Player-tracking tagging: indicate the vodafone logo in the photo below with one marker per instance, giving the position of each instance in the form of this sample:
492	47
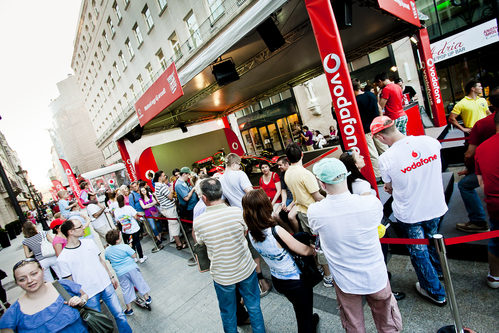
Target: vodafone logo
68	172
235	146
419	163
415	154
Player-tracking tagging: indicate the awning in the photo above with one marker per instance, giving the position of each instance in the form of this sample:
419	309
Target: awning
103	171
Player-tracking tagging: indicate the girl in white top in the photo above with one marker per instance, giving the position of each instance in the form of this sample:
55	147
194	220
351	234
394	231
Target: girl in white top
357	183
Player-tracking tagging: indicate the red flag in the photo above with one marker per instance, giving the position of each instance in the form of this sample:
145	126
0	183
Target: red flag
58	185
72	181
132	174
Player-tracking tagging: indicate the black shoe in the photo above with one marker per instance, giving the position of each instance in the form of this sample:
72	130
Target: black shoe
243	322
315	320
429	297
398	295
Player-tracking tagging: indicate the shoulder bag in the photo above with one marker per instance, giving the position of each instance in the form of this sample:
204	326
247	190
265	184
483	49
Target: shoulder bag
201	255
96	321
309	272
46	247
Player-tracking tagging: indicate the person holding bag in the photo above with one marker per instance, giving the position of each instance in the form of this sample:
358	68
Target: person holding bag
286	276
37	244
41	309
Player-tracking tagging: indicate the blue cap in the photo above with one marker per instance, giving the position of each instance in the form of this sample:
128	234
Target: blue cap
330	171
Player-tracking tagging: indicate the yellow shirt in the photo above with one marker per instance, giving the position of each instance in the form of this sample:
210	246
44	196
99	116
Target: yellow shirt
471	110
302	183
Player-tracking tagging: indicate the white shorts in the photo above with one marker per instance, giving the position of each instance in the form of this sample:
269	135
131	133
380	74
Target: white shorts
173	225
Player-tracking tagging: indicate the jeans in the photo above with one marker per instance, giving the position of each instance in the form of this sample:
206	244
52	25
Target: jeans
250	292
471	200
301	296
109	297
425	258
154	226
494	242
136	243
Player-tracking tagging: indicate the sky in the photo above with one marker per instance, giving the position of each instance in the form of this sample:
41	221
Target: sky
37	46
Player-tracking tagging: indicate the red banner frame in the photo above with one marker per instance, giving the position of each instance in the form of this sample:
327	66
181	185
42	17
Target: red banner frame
403	9
73	183
130	169
335	66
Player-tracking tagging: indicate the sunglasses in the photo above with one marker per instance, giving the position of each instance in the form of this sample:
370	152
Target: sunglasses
23	262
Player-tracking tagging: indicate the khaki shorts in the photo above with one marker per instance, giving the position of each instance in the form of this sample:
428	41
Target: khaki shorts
173	225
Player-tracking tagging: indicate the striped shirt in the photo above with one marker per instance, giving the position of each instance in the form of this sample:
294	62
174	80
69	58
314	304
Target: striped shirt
34	243
222	229
162	191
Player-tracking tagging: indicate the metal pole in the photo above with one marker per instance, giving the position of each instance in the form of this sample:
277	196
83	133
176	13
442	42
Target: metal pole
442	253
151	234
191	261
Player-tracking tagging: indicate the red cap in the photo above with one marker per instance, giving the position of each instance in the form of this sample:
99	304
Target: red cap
380	123
56	222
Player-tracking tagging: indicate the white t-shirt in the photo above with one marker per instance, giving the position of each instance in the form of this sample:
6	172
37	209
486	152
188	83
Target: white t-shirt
361	186
126	216
99	222
414	168
83	265
233	185
347	225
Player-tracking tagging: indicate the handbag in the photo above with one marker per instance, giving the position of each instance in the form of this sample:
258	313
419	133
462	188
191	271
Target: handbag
201	256
96	321
309	272
46	247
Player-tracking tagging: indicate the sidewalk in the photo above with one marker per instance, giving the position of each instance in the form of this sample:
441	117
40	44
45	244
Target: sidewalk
184	300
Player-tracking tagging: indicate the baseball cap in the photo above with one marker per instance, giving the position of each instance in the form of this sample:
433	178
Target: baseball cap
380	123
56	222
330	171
185	170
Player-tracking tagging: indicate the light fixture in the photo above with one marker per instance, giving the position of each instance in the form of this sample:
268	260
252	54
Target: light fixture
393	68
414	40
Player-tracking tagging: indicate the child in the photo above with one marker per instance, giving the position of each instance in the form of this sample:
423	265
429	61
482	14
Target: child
122	257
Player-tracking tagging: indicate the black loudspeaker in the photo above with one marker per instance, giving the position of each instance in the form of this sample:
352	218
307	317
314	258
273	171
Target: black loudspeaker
135	134
343	13
225	72
270	34
183	128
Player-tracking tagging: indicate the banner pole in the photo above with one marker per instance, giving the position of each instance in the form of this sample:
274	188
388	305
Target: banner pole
442	253
191	261
150	233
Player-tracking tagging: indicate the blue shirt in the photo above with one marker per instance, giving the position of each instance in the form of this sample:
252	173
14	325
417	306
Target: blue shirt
134	201
120	256
64	208
183	189
57	317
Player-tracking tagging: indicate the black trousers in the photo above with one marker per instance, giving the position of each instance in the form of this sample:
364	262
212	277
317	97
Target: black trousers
136	243
301	296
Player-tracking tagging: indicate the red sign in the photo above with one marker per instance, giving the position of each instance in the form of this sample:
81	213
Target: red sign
144	164
72	181
163	92
340	85
431	78
130	169
58	185
403	9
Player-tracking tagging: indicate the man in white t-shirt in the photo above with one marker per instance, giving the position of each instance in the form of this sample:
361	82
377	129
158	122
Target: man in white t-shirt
97	213
412	171
347	225
80	261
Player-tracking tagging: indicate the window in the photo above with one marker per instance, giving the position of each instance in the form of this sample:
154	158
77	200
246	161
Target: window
96	10
126	3
116	69
101	50
161	59
149	71
162	4
123	60
116	10
137	33
140	81
216	9
129	47
125	97
175	46
104	35
147	17
193	29
111	26
132	91
120	106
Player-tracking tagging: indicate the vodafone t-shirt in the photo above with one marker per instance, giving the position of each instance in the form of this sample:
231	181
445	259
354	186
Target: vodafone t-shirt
413	166
393	95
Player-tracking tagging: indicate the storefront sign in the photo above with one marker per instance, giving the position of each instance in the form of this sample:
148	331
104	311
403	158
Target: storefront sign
130	169
338	76
162	93
431	78
403	9
468	40
72	181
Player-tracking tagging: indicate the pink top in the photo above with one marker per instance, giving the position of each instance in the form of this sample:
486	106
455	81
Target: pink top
59	240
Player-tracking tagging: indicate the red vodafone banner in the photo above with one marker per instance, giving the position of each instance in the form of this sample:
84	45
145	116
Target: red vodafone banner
403	9
163	92
72	181
58	185
334	62
431	78
130	169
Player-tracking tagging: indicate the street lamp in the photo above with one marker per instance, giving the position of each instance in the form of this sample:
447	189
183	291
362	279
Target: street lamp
41	217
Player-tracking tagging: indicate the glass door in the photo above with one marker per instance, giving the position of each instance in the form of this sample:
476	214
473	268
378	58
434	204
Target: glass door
275	137
249	142
267	142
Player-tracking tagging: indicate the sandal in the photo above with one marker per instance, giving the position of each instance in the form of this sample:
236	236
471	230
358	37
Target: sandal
181	247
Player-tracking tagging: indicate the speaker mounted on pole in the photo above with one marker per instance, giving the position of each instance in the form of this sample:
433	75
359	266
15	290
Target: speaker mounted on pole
270	34
225	72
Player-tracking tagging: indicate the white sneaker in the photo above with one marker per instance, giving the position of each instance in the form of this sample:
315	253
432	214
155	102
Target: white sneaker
327	281
493	281
136	259
144	258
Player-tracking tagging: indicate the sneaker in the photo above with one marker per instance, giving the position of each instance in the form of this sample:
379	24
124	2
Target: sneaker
429	297
328	281
144	258
129	312
149	300
136	259
192	262
398	295
263	292
493	281
472	227
315	320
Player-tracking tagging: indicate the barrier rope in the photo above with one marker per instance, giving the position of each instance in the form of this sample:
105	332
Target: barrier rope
168	219
453	139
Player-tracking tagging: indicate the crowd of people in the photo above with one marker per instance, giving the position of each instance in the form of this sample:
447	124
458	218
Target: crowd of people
330	213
